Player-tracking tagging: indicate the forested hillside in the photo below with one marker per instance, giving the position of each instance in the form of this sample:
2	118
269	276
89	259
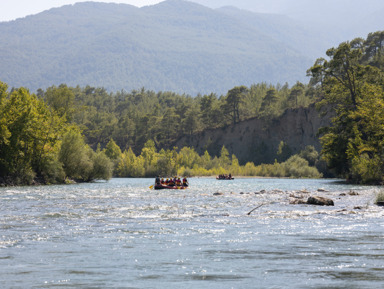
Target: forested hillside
133	118
133	133
174	46
47	138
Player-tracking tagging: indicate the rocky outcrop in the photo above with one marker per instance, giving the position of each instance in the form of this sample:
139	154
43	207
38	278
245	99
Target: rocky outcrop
257	140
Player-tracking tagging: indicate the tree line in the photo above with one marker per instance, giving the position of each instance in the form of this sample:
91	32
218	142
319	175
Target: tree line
64	133
133	118
82	134
187	162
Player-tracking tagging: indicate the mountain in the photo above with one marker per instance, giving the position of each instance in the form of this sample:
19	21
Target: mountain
339	20
175	45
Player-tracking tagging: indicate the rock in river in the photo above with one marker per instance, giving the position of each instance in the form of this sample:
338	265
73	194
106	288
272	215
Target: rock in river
320	201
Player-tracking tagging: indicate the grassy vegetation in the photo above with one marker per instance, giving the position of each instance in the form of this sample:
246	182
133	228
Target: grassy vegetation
187	162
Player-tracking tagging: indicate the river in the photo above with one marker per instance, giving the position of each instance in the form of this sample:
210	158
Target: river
121	234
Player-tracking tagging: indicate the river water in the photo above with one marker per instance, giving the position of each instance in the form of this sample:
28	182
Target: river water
121	234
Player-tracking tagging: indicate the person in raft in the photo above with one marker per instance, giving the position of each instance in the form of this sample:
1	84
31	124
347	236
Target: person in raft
185	182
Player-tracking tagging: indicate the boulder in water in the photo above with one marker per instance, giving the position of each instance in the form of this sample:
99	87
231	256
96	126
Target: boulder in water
320	201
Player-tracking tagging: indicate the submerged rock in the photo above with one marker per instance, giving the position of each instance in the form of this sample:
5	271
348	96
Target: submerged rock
353	193
320	201
297	202
218	194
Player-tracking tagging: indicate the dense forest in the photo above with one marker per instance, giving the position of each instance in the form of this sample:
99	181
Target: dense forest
133	118
83	134
73	133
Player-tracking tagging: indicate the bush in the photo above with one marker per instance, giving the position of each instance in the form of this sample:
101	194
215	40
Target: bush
185	172
75	156
297	167
102	167
366	170
52	171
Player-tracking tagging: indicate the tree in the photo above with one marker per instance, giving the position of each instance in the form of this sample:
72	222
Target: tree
170	125
374	49
166	164
130	165
269	103
188	157
207	108
224	159
233	100
29	133
150	156
61	99
283	152
354	93
75	156
310	154
296	91
112	150
102	168
191	123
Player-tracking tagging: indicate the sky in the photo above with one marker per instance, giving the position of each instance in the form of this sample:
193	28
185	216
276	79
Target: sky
13	9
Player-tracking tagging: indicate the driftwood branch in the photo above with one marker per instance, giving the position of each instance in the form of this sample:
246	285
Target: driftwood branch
255	209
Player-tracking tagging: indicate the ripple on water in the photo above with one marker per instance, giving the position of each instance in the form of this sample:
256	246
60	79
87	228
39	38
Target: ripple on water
118	233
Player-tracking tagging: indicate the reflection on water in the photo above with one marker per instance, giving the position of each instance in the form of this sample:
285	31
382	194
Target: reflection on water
217	234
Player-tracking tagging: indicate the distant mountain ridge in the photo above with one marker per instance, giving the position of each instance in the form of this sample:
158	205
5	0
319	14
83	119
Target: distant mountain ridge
175	45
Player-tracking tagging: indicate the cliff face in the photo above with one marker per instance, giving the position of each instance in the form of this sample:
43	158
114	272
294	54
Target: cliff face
257	140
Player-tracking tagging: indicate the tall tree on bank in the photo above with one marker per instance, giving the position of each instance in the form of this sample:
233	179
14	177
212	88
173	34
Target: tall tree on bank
353	91
234	98
29	136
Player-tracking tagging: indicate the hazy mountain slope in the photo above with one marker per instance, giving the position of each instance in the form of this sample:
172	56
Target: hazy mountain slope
339	20
309	42
175	45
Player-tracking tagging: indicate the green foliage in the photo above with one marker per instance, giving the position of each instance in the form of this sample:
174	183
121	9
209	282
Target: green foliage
186	162
75	156
283	152
133	118
310	154
29	132
233	102
112	150
52	171
130	165
80	162
37	144
297	167
224	159
353	87
61	99
102	166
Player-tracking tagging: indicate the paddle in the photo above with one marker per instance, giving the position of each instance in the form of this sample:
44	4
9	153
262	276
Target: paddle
151	187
